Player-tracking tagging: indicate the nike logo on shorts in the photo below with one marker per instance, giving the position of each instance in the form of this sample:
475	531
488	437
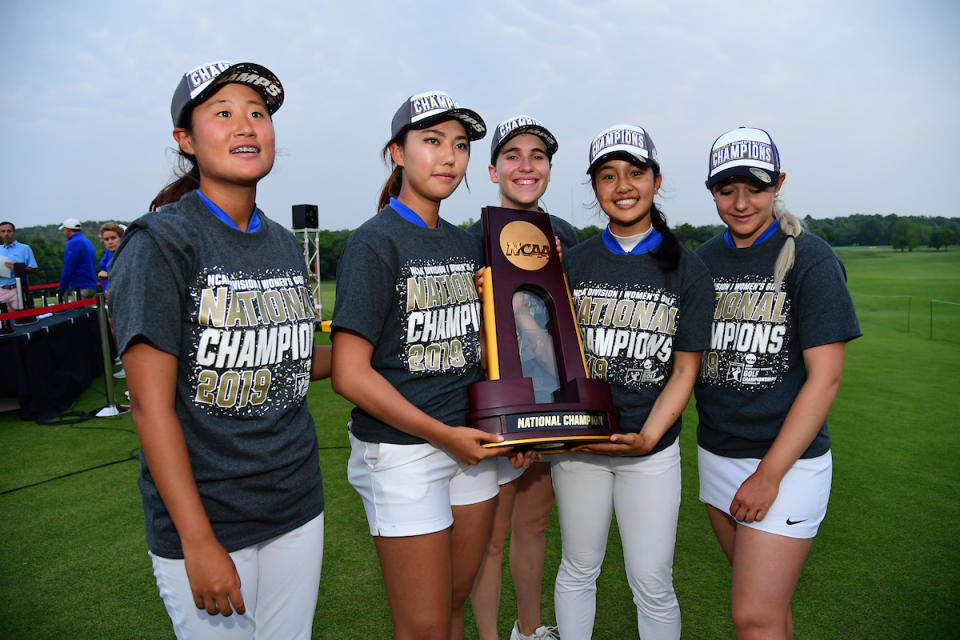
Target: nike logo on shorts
793	522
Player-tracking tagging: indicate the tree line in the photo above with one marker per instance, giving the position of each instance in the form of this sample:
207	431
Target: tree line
904	233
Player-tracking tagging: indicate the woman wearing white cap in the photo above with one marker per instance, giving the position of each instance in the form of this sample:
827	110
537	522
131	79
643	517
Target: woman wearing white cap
521	155
406	346
214	321
643	303
783	317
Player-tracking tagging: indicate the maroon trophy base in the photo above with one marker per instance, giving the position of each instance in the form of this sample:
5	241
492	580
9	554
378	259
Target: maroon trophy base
583	413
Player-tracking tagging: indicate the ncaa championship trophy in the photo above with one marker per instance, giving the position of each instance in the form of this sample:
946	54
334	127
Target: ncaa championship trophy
537	394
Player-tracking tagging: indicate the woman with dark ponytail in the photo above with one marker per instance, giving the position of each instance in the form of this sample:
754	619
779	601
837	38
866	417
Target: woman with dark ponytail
214	321
406	347
643	303
783	317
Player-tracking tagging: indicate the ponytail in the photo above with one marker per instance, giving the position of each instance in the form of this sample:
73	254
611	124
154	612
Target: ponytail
791	226
188	181
391	188
669	251
189	172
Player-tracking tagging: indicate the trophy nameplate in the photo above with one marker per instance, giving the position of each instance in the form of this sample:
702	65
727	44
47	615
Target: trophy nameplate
537	394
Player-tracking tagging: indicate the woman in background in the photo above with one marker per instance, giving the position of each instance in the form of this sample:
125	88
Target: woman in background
521	156
110	234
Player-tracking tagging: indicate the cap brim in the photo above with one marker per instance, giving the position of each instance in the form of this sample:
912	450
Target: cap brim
228	76
472	123
754	174
532	129
621	154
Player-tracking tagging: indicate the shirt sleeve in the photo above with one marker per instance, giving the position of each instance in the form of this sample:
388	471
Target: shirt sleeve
696	308
824	309
146	296
365	291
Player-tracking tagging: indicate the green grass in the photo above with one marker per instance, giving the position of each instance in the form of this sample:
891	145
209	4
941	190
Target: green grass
886	564
894	288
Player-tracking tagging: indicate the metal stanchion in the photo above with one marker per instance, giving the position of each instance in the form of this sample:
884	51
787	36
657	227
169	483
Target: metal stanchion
112	409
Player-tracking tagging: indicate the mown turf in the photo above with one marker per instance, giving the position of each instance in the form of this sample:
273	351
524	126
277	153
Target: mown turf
73	561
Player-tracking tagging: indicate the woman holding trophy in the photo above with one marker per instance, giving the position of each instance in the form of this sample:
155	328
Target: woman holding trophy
644	304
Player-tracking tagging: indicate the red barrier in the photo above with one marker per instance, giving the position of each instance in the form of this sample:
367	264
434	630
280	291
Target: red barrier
26	313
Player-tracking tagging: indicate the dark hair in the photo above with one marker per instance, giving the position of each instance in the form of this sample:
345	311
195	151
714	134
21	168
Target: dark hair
189	173
668	253
9	223
391	188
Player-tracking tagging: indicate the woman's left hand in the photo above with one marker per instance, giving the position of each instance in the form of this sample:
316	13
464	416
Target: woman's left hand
621	444
523	459
754	497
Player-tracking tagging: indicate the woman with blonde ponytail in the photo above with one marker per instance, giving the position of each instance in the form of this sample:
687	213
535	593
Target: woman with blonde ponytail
783	316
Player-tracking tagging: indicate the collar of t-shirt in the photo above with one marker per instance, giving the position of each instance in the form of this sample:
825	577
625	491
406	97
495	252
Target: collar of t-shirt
252	226
407	213
772	229
641	243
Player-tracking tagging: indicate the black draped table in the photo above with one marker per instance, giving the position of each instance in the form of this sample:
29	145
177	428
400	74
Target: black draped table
47	364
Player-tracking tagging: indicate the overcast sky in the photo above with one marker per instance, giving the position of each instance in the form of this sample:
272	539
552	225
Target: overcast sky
862	98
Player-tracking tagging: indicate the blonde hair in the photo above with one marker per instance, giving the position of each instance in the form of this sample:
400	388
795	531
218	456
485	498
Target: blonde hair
791	226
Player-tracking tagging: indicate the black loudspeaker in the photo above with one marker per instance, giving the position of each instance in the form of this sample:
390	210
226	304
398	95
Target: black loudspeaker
306	216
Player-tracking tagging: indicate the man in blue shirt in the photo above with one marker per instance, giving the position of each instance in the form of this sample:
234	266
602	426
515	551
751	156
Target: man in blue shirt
79	261
11	253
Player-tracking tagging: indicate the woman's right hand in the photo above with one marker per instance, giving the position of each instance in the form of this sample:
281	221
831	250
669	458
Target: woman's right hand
214	580
102	275
466	444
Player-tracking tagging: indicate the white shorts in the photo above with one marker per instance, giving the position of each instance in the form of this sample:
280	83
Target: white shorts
408	489
800	505
506	472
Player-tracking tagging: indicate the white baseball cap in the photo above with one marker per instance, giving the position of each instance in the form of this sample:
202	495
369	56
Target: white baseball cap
744	152
623	139
70	223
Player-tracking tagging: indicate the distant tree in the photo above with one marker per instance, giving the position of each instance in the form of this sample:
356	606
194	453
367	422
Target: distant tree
584	233
942	238
692	237
919	234
902	232
49	258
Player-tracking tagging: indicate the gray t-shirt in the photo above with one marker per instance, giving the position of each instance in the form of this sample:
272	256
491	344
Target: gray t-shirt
236	310
409	291
754	367
632	317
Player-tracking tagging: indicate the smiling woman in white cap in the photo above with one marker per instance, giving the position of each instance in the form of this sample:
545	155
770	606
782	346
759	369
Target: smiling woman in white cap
783	317
643	304
214	321
406	346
